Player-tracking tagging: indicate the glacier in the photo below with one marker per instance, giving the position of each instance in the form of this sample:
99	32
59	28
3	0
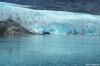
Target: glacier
53	22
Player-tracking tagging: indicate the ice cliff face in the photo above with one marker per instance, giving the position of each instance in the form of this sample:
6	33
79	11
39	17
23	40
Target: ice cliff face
52	22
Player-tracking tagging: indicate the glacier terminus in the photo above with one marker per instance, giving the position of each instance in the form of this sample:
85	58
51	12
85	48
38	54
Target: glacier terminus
51	22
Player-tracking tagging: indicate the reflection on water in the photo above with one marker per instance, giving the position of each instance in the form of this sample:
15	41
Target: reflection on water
49	50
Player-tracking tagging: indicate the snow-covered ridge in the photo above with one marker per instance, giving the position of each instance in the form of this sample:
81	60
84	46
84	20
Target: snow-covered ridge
54	22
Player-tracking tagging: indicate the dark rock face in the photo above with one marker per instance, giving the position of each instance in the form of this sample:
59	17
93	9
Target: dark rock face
10	27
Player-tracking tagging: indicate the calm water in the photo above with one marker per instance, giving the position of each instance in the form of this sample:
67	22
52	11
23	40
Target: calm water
50	50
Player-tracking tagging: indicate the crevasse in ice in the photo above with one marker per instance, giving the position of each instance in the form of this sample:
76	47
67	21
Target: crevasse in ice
53	22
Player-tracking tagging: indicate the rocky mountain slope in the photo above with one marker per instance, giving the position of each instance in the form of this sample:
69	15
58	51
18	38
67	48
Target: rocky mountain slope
83	6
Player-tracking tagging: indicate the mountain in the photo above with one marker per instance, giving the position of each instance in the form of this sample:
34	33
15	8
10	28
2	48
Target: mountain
83	6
